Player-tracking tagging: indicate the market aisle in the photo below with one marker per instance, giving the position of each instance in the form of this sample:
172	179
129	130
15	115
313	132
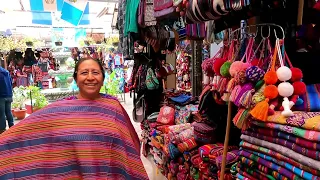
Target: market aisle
147	162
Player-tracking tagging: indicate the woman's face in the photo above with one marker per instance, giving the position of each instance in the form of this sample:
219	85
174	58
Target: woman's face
89	79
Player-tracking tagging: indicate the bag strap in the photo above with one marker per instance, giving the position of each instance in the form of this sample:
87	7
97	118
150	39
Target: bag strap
249	46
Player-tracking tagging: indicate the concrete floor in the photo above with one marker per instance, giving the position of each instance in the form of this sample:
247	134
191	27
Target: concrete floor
147	162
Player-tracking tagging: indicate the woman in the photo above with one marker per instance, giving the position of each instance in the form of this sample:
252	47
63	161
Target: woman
87	136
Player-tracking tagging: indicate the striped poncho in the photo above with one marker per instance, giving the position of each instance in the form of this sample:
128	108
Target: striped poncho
73	139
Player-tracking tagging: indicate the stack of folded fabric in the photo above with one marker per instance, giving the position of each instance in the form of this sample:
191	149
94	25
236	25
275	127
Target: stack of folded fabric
183	144
281	148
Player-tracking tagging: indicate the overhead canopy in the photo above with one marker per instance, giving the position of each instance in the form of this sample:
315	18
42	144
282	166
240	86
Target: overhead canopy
17	19
18	13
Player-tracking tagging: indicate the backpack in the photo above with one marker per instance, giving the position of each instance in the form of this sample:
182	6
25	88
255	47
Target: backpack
140	79
152	82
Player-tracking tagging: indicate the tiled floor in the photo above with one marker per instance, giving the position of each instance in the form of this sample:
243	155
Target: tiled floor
147	162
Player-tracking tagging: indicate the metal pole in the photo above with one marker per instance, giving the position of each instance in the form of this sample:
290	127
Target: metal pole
31	101
196	76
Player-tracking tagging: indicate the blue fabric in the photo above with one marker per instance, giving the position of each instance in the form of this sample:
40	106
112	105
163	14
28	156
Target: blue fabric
181	99
85	20
75	16
5	113
43	18
5	84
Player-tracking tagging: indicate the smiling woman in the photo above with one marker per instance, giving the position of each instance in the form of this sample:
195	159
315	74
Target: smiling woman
89	76
88	136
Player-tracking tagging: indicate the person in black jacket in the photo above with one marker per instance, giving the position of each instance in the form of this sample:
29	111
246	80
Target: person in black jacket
5	99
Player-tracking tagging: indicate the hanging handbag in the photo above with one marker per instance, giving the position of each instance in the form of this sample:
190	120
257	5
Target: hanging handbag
204	10
141	12
196	31
163	8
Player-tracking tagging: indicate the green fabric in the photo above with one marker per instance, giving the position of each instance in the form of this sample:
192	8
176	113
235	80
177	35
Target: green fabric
131	21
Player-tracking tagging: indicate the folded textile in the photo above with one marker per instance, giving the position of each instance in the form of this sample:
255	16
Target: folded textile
275	133
311	99
242	177
231	158
182	136
252	175
297	171
301	150
181	98
305	120
183	113
179	128
255	165
279	156
255	173
270	165
283	150
187	145
303	133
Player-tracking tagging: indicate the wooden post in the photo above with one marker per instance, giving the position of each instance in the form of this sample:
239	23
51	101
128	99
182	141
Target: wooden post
300	12
226	142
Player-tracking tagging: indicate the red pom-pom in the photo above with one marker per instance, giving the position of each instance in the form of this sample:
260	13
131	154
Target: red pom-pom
296	74
217	65
299	88
270	77
255	62
271	91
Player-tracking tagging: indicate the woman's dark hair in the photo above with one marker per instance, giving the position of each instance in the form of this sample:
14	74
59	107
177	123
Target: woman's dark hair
84	59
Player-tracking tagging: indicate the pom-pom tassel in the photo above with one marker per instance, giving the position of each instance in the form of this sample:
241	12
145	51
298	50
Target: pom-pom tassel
231	85
235	93
222	85
260	111
246	98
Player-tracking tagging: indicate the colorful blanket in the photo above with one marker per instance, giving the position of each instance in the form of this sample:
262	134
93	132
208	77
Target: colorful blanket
255	173
301	150
275	133
283	171
278	156
255	165
283	150
305	120
303	133
73	139
297	171
311	99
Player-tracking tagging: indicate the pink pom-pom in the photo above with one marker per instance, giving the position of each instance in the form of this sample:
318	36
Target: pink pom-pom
245	66
235	68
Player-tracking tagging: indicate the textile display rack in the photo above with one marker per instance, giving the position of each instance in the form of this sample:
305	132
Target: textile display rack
235	34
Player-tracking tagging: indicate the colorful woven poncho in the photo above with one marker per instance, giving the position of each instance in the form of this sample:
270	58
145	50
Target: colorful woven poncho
73	139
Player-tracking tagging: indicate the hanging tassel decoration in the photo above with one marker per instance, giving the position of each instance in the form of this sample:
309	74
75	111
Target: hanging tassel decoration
235	93
260	111
246	98
243	121
231	84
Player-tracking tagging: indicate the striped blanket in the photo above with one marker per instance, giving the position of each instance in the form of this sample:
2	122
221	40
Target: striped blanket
73	139
311	99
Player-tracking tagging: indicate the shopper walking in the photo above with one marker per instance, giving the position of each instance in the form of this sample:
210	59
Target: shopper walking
5	99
